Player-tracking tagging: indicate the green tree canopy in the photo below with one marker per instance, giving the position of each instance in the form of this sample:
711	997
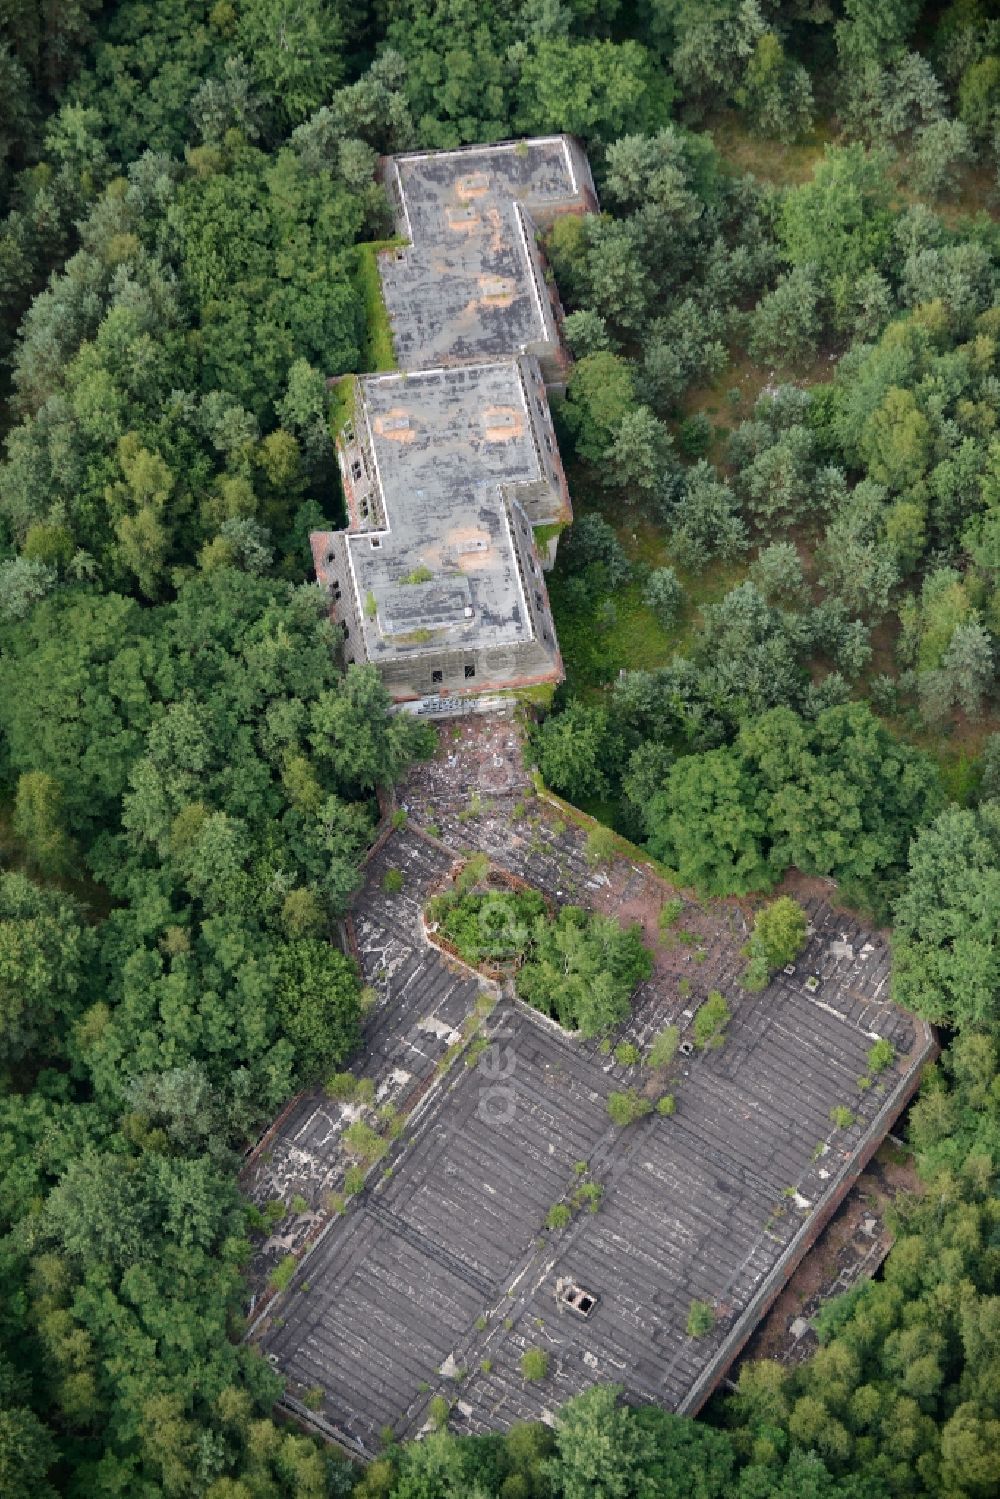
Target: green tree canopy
946	943
839	222
46	953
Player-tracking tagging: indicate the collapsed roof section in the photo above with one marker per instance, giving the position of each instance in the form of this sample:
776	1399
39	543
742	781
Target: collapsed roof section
471	283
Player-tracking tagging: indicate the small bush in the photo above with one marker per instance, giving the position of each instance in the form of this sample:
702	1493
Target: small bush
667	1105
354	1180
282	1273
558	1215
625	1108
439	1411
341	1087
400	817
670	914
664	595
881	1056
694	435
701	1319
274	1211
779	935
664	1047
362	1141
313	1398
392	881
299	1204
486	1365
588	1196
627	1054
708	1028
534	1363
364	1091
842	1118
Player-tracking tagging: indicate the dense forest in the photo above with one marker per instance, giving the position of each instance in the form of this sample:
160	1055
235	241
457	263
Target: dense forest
779	607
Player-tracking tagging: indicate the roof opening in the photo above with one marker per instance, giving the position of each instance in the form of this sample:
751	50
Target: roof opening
577	1299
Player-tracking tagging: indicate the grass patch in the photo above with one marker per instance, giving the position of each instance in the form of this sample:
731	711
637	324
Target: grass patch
282	1273
538	696
772	160
959	774
663	1047
341	405
600	808
630	637
544	534
594	653
377	351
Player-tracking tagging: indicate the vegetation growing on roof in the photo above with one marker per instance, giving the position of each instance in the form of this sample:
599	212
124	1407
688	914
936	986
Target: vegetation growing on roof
577	966
377	348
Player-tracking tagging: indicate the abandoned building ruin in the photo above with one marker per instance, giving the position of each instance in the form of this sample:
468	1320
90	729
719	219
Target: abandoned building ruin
471	284
449	465
434	1275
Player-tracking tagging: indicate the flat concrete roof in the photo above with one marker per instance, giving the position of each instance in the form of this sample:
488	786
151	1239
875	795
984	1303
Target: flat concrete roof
467	285
444	1263
444	441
